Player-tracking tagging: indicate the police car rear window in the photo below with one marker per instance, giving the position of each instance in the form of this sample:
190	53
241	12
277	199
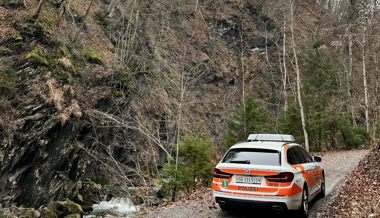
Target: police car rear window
253	156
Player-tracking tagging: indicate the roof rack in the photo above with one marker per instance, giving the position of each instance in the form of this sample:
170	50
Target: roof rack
270	137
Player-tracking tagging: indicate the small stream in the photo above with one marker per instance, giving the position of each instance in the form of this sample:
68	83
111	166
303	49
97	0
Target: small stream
116	207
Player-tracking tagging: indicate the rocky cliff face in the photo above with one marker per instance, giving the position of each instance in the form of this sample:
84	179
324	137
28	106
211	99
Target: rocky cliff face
42	159
83	113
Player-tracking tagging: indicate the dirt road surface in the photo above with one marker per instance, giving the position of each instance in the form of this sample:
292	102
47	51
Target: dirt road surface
337	165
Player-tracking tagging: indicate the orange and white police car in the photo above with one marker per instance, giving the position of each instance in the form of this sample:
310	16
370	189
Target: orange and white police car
269	171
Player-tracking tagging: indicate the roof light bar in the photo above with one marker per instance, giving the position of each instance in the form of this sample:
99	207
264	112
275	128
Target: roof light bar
271	137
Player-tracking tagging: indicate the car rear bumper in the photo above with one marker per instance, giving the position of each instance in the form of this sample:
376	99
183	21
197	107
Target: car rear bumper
250	203
270	202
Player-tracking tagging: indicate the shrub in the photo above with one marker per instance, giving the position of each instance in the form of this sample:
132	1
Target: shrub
92	57
194	166
8	79
353	136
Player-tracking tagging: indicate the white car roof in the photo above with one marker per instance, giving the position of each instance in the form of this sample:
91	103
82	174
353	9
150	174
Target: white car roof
271	137
260	145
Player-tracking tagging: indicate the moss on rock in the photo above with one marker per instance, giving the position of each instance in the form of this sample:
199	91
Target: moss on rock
46	213
76	215
73	207
64	208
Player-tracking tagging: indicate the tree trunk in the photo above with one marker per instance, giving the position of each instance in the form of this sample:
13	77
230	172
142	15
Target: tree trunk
266	44
375	108
179	121
298	78
76	35
111	8
39	9
242	73
366	108
349	76
284	65
196	5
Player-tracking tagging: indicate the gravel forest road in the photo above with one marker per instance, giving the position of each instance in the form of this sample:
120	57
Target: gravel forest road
200	204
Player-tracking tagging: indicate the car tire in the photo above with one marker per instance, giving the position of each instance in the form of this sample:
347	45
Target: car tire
224	207
322	193
303	212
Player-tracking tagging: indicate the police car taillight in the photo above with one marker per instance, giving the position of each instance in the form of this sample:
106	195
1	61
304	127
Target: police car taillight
219	174
282	177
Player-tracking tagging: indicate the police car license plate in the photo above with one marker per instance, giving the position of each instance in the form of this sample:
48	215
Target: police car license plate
248	179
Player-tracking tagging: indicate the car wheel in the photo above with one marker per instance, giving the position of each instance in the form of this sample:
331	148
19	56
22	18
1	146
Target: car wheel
224	207
322	193
304	210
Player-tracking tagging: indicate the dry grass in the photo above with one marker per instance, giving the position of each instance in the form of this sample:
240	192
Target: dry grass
5	29
57	97
55	94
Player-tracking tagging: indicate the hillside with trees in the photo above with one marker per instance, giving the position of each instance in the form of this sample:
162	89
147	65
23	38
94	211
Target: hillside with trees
141	98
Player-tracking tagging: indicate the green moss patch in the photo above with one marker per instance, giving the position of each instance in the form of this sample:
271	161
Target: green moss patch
5	51
73	216
65	208
64	51
17	37
36	56
8	78
93	57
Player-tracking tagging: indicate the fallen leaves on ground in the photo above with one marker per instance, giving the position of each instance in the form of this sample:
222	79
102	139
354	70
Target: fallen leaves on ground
359	196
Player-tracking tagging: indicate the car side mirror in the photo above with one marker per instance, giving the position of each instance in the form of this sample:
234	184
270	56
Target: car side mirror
317	159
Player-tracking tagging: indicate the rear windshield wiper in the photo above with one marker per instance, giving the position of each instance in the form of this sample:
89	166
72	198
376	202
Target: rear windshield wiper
240	161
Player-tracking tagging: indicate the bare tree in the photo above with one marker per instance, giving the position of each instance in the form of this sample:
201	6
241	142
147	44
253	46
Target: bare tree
364	69
126	35
39	9
285	73
298	76
80	27
242	72
129	125
112	6
349	74
182	90
375	106
196	5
